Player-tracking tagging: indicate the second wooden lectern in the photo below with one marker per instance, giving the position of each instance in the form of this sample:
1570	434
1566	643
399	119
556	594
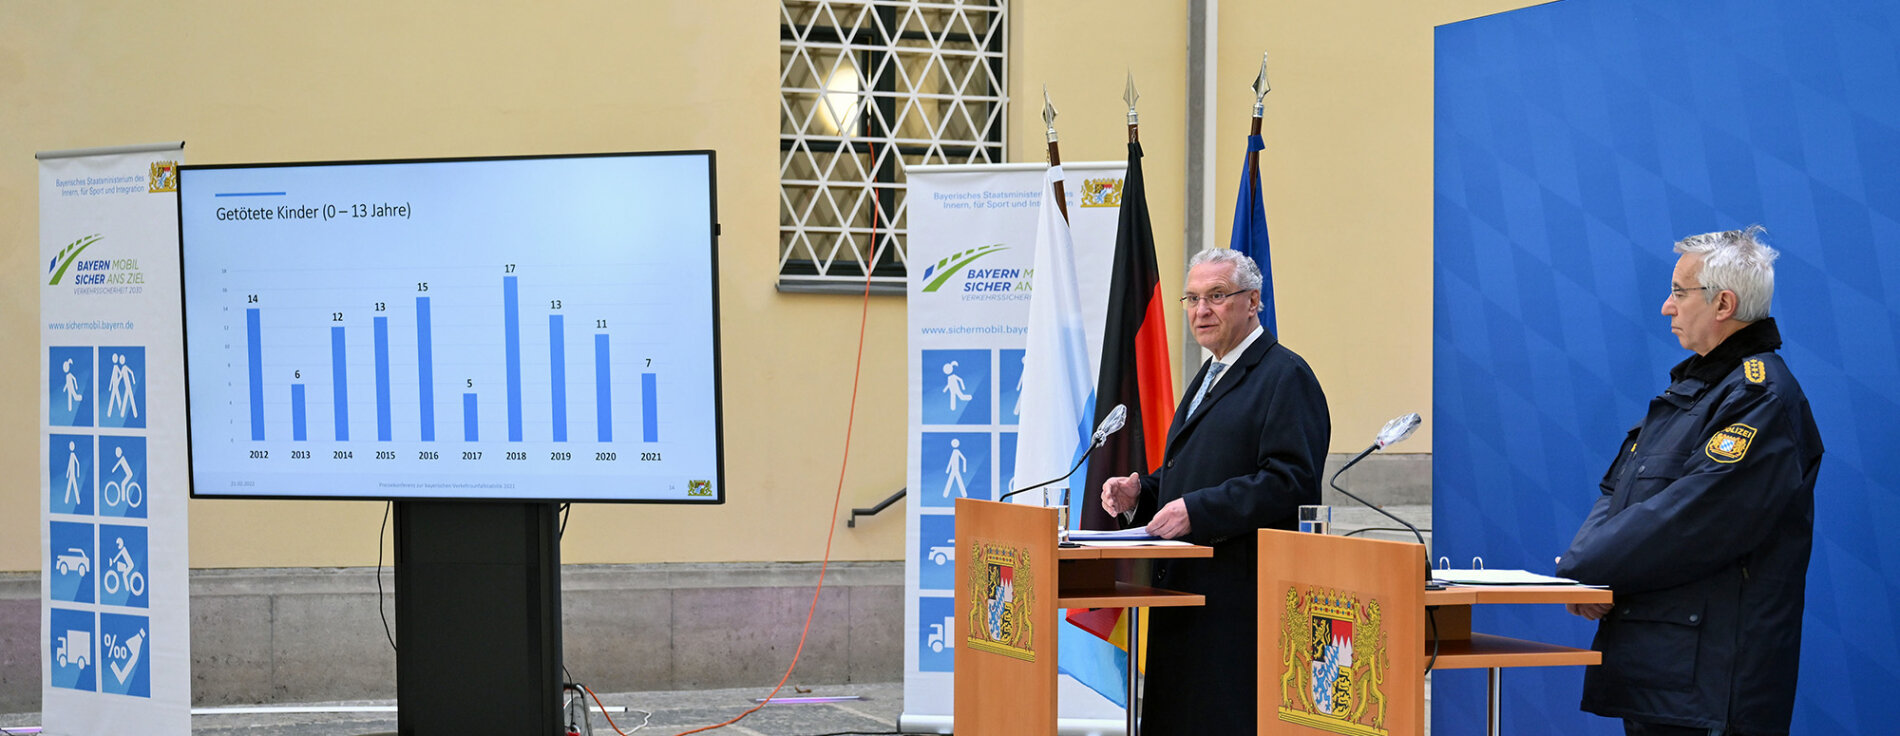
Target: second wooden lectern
1347	630
1011	580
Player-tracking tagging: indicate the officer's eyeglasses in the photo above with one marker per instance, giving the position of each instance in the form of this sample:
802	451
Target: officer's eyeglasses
1213	300
1678	292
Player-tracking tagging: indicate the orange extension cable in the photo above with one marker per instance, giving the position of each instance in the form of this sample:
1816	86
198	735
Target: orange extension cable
850	418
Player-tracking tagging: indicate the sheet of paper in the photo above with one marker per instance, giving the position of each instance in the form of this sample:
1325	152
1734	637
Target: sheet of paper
1498	577
1087	535
1131	542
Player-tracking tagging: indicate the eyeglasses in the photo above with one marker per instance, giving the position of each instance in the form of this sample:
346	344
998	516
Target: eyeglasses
1678	292
1213	300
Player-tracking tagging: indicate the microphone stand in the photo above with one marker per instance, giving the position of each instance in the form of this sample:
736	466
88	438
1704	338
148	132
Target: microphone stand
1065	476
1429	583
1109	426
1064	532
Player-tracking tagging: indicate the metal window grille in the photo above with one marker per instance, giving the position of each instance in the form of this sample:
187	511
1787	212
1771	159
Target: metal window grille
868	87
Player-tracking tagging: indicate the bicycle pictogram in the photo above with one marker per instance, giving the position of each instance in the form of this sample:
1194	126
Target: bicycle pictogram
119	572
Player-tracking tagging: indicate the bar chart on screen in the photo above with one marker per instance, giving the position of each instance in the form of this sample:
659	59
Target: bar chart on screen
400	330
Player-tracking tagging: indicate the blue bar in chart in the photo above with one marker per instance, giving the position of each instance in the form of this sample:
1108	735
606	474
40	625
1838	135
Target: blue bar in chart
557	376
425	370
468	418
382	378
340	375
649	408
603	388
296	413
511	315
254	338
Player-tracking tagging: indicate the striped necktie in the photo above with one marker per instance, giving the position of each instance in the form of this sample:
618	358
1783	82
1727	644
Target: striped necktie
1213	374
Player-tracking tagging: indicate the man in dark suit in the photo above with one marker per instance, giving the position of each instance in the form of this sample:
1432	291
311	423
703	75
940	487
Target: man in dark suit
1243	454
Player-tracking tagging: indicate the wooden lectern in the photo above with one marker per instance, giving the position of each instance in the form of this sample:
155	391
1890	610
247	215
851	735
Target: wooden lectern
1011	579
1347	629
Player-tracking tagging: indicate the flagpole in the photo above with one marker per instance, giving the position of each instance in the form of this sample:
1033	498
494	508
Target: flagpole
1055	153
1133	615
1260	90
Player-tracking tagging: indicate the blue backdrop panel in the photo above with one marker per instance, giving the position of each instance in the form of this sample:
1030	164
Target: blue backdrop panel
1574	143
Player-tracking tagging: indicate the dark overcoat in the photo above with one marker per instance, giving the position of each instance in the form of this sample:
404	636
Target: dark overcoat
1703	529
1246	460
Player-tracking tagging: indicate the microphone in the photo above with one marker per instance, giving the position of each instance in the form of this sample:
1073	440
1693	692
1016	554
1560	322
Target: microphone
1393	432
1116	419
1398	430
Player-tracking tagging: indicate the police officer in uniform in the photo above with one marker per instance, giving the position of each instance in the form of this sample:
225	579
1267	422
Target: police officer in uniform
1706	518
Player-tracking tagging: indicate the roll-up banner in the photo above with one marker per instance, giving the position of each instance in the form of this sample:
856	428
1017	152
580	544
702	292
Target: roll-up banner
972	241
114	595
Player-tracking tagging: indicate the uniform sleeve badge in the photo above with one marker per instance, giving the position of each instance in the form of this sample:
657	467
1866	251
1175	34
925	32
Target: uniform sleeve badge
1755	370
1730	444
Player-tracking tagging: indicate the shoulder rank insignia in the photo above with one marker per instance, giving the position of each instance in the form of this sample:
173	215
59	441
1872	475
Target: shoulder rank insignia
1755	370
1730	444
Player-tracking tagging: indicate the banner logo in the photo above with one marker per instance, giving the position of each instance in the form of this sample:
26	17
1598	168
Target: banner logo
110	276
699	488
1102	192
1002	595
64	259
164	177
1333	648
937	273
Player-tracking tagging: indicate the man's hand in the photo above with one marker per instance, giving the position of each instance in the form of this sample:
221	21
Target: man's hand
1592	611
1171	522
1120	495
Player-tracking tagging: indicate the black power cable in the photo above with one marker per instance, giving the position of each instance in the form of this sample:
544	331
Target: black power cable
387	505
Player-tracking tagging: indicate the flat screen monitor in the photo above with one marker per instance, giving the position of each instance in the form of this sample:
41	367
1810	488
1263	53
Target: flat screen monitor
538	328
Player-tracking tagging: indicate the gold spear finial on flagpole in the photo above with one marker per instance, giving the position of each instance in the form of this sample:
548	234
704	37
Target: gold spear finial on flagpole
1055	153
1261	88
1134	119
1048	114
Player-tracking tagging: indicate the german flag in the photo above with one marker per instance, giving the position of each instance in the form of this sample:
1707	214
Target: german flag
1135	370
1135	373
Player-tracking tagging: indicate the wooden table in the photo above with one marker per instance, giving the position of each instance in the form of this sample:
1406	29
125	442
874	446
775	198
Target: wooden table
1458	647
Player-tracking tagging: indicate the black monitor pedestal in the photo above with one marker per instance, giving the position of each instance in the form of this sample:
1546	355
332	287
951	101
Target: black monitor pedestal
478	618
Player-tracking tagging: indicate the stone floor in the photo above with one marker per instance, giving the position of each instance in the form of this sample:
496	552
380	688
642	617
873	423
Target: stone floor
673	712
646	712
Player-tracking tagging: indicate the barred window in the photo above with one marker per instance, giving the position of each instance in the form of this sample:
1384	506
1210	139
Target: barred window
865	84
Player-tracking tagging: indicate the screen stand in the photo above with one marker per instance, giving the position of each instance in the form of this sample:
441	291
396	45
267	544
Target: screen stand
478	618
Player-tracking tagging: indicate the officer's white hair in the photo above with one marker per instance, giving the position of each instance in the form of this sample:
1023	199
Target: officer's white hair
1737	261
1246	272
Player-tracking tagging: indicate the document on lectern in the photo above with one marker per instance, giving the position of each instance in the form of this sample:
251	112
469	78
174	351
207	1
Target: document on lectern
1498	577
1137	534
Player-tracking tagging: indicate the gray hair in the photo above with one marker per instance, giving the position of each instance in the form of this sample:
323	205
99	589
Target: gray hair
1737	261
1246	272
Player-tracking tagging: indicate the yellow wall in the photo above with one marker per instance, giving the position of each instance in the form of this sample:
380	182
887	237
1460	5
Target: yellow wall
1347	181
1348	191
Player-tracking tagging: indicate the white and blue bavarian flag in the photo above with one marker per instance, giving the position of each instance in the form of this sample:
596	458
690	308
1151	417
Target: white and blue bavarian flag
1058	392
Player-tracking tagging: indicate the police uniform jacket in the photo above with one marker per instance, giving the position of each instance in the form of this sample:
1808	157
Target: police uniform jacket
1703	530
1245	460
